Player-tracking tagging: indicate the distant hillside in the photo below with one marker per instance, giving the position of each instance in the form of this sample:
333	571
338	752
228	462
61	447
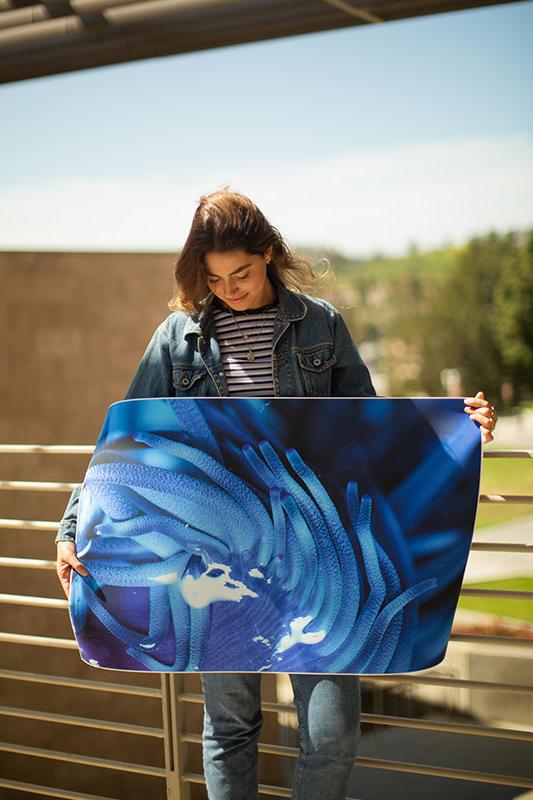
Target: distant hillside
373	293
430	264
460	314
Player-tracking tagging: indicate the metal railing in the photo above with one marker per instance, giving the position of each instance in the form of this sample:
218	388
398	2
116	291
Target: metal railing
173	698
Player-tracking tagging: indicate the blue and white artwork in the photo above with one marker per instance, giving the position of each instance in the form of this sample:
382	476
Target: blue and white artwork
317	535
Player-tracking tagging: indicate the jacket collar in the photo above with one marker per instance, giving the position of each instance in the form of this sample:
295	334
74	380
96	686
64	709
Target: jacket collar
291	308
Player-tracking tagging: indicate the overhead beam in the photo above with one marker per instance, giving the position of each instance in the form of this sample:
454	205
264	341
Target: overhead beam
58	36
359	13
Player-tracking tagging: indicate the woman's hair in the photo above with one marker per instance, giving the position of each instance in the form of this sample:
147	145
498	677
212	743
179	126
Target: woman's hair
226	220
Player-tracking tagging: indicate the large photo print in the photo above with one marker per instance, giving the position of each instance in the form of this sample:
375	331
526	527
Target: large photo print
316	535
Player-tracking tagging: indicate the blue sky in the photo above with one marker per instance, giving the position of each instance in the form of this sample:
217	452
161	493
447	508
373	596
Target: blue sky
363	139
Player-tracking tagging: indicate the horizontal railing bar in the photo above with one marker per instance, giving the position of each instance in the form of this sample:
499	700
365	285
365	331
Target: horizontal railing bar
400	722
27	563
483	638
36	486
515	594
452	683
401	766
525	499
38	641
508	454
48	449
85	722
50	791
448	727
82	683
445	772
81	449
502	547
88	761
29	524
29	600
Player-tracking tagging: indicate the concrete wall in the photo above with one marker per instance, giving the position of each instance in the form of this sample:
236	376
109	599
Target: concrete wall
73	328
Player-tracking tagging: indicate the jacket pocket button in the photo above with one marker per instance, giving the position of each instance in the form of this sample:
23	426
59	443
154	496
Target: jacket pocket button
185	381
316	362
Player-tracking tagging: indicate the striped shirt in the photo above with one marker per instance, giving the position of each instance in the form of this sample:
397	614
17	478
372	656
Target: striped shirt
246	378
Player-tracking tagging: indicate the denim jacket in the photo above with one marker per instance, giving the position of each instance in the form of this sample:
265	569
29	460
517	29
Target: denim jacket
313	355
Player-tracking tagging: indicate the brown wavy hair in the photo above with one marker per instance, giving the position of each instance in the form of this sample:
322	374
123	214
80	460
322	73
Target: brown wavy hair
226	220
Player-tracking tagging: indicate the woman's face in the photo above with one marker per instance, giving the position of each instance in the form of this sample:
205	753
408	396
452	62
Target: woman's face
239	279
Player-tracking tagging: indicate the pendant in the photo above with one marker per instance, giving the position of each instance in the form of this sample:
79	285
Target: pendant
250	355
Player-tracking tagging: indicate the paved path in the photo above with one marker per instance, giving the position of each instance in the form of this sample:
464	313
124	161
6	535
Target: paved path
486	566
514	431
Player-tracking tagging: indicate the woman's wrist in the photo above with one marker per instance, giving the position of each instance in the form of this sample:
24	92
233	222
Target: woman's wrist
65	537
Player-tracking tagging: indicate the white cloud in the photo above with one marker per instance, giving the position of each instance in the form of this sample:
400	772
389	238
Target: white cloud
359	202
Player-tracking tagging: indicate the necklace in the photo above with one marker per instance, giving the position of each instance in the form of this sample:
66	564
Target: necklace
250	354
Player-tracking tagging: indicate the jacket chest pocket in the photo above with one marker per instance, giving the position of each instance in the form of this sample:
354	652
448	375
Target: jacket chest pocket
315	367
189	380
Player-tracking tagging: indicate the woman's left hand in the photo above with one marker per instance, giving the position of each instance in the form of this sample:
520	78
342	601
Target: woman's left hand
483	412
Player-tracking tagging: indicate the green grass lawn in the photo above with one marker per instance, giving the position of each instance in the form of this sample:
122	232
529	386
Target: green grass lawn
504	476
519	609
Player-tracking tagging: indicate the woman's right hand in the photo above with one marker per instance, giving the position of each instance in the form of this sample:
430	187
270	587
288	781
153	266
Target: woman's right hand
65	562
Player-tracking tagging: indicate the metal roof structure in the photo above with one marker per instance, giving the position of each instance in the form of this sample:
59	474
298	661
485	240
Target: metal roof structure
47	37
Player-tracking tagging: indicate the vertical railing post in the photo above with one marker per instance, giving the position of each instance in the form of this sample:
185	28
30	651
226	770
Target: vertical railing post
173	723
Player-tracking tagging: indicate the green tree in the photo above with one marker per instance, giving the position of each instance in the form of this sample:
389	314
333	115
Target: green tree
462	332
513	299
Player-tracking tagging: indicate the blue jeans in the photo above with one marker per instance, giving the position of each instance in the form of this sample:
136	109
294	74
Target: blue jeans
328	708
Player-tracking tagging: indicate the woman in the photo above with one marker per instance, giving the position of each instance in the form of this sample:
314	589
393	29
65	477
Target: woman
242	326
